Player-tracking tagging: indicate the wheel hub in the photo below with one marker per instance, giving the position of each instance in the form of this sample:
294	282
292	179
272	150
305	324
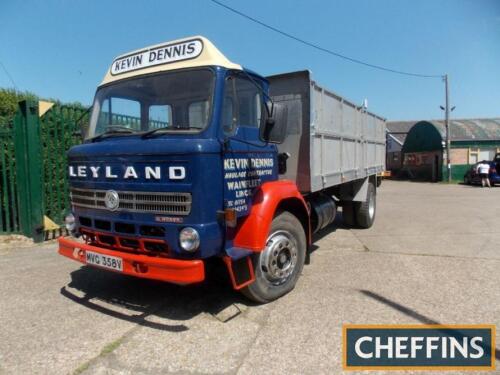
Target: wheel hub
279	258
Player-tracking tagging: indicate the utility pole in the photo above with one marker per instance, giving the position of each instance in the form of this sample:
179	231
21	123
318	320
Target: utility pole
447	126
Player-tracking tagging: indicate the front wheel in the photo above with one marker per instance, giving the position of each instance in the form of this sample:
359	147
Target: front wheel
278	267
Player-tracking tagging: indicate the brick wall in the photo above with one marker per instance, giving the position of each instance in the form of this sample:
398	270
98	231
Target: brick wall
459	156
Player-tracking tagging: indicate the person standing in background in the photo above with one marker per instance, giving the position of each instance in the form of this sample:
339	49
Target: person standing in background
483	168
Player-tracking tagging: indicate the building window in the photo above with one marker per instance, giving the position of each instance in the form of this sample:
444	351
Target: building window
473	155
477	154
486	154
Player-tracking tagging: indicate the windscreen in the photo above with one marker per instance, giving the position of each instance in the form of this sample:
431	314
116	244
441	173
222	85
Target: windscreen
178	102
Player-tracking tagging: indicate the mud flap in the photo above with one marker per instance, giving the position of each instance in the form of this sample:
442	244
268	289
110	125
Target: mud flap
240	271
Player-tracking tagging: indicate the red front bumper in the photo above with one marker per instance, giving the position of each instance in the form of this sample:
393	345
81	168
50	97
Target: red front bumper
164	269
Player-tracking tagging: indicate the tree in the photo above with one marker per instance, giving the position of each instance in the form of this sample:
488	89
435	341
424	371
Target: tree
8	102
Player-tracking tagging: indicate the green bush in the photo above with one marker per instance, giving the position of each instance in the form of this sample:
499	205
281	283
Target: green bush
8	103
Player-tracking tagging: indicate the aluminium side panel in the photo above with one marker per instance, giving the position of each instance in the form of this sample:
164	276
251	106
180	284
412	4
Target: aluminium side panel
347	142
331	140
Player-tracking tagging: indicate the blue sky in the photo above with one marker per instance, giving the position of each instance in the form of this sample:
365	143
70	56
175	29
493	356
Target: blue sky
62	48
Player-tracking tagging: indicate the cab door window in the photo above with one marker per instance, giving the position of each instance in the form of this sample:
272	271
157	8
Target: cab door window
242	105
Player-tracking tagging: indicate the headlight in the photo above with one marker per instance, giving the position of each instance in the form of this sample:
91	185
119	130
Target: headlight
189	239
70	223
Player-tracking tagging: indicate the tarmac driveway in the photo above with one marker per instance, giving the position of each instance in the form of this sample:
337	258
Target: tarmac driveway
433	256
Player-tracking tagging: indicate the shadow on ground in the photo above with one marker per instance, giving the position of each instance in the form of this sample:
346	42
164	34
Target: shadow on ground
412	313
135	300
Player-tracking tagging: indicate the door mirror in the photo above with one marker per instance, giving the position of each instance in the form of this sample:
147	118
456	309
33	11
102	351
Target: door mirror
274	128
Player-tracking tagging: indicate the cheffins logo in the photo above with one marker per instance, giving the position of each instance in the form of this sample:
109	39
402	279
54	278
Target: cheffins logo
418	347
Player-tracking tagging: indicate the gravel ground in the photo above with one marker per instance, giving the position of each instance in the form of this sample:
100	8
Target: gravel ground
431	257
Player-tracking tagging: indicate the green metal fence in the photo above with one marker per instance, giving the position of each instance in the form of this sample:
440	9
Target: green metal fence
34	192
129	121
60	129
8	194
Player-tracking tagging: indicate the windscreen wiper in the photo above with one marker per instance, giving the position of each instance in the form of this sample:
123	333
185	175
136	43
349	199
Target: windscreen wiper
152	131
111	132
171	127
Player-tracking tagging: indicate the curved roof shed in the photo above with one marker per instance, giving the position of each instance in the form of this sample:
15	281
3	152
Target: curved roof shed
423	136
429	135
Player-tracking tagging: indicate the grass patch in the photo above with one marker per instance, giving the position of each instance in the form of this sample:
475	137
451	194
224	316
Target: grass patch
108	348
81	368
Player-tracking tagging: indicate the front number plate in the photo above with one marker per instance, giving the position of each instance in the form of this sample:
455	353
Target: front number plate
106	261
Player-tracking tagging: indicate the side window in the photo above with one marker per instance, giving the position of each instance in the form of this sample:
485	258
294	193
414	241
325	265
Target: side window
249	103
242	104
160	116
198	114
229	118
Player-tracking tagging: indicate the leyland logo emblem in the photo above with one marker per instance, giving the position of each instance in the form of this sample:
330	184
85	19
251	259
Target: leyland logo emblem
112	200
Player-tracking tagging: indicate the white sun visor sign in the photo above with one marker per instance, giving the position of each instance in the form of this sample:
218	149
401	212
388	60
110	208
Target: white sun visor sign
165	54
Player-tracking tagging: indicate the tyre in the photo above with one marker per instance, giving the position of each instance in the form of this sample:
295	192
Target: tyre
365	211
466	180
278	267
348	214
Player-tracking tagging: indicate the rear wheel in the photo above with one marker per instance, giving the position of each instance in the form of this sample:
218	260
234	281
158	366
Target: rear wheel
466	180
365	211
348	214
278	267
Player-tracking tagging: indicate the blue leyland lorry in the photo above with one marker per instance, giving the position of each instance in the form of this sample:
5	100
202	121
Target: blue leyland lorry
189	157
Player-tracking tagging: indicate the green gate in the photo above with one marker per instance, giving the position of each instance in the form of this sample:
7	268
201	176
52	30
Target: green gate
60	129
34	194
8	200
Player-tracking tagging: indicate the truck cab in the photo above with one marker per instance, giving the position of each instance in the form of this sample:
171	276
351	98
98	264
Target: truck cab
169	162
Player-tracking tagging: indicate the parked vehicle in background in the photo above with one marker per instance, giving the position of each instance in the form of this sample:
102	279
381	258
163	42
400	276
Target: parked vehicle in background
189	156
472	176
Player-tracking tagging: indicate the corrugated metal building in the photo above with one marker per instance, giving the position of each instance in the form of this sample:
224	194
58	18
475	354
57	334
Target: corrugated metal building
424	152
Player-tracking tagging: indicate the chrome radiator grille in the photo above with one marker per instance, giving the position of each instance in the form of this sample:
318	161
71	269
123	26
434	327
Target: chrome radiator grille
135	201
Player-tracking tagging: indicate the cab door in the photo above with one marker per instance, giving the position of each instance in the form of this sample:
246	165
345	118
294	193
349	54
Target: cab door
247	161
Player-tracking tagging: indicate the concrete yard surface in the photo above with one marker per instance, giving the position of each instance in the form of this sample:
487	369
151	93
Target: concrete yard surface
433	256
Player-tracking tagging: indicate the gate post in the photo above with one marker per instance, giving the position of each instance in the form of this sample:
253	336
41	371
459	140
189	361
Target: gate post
27	144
